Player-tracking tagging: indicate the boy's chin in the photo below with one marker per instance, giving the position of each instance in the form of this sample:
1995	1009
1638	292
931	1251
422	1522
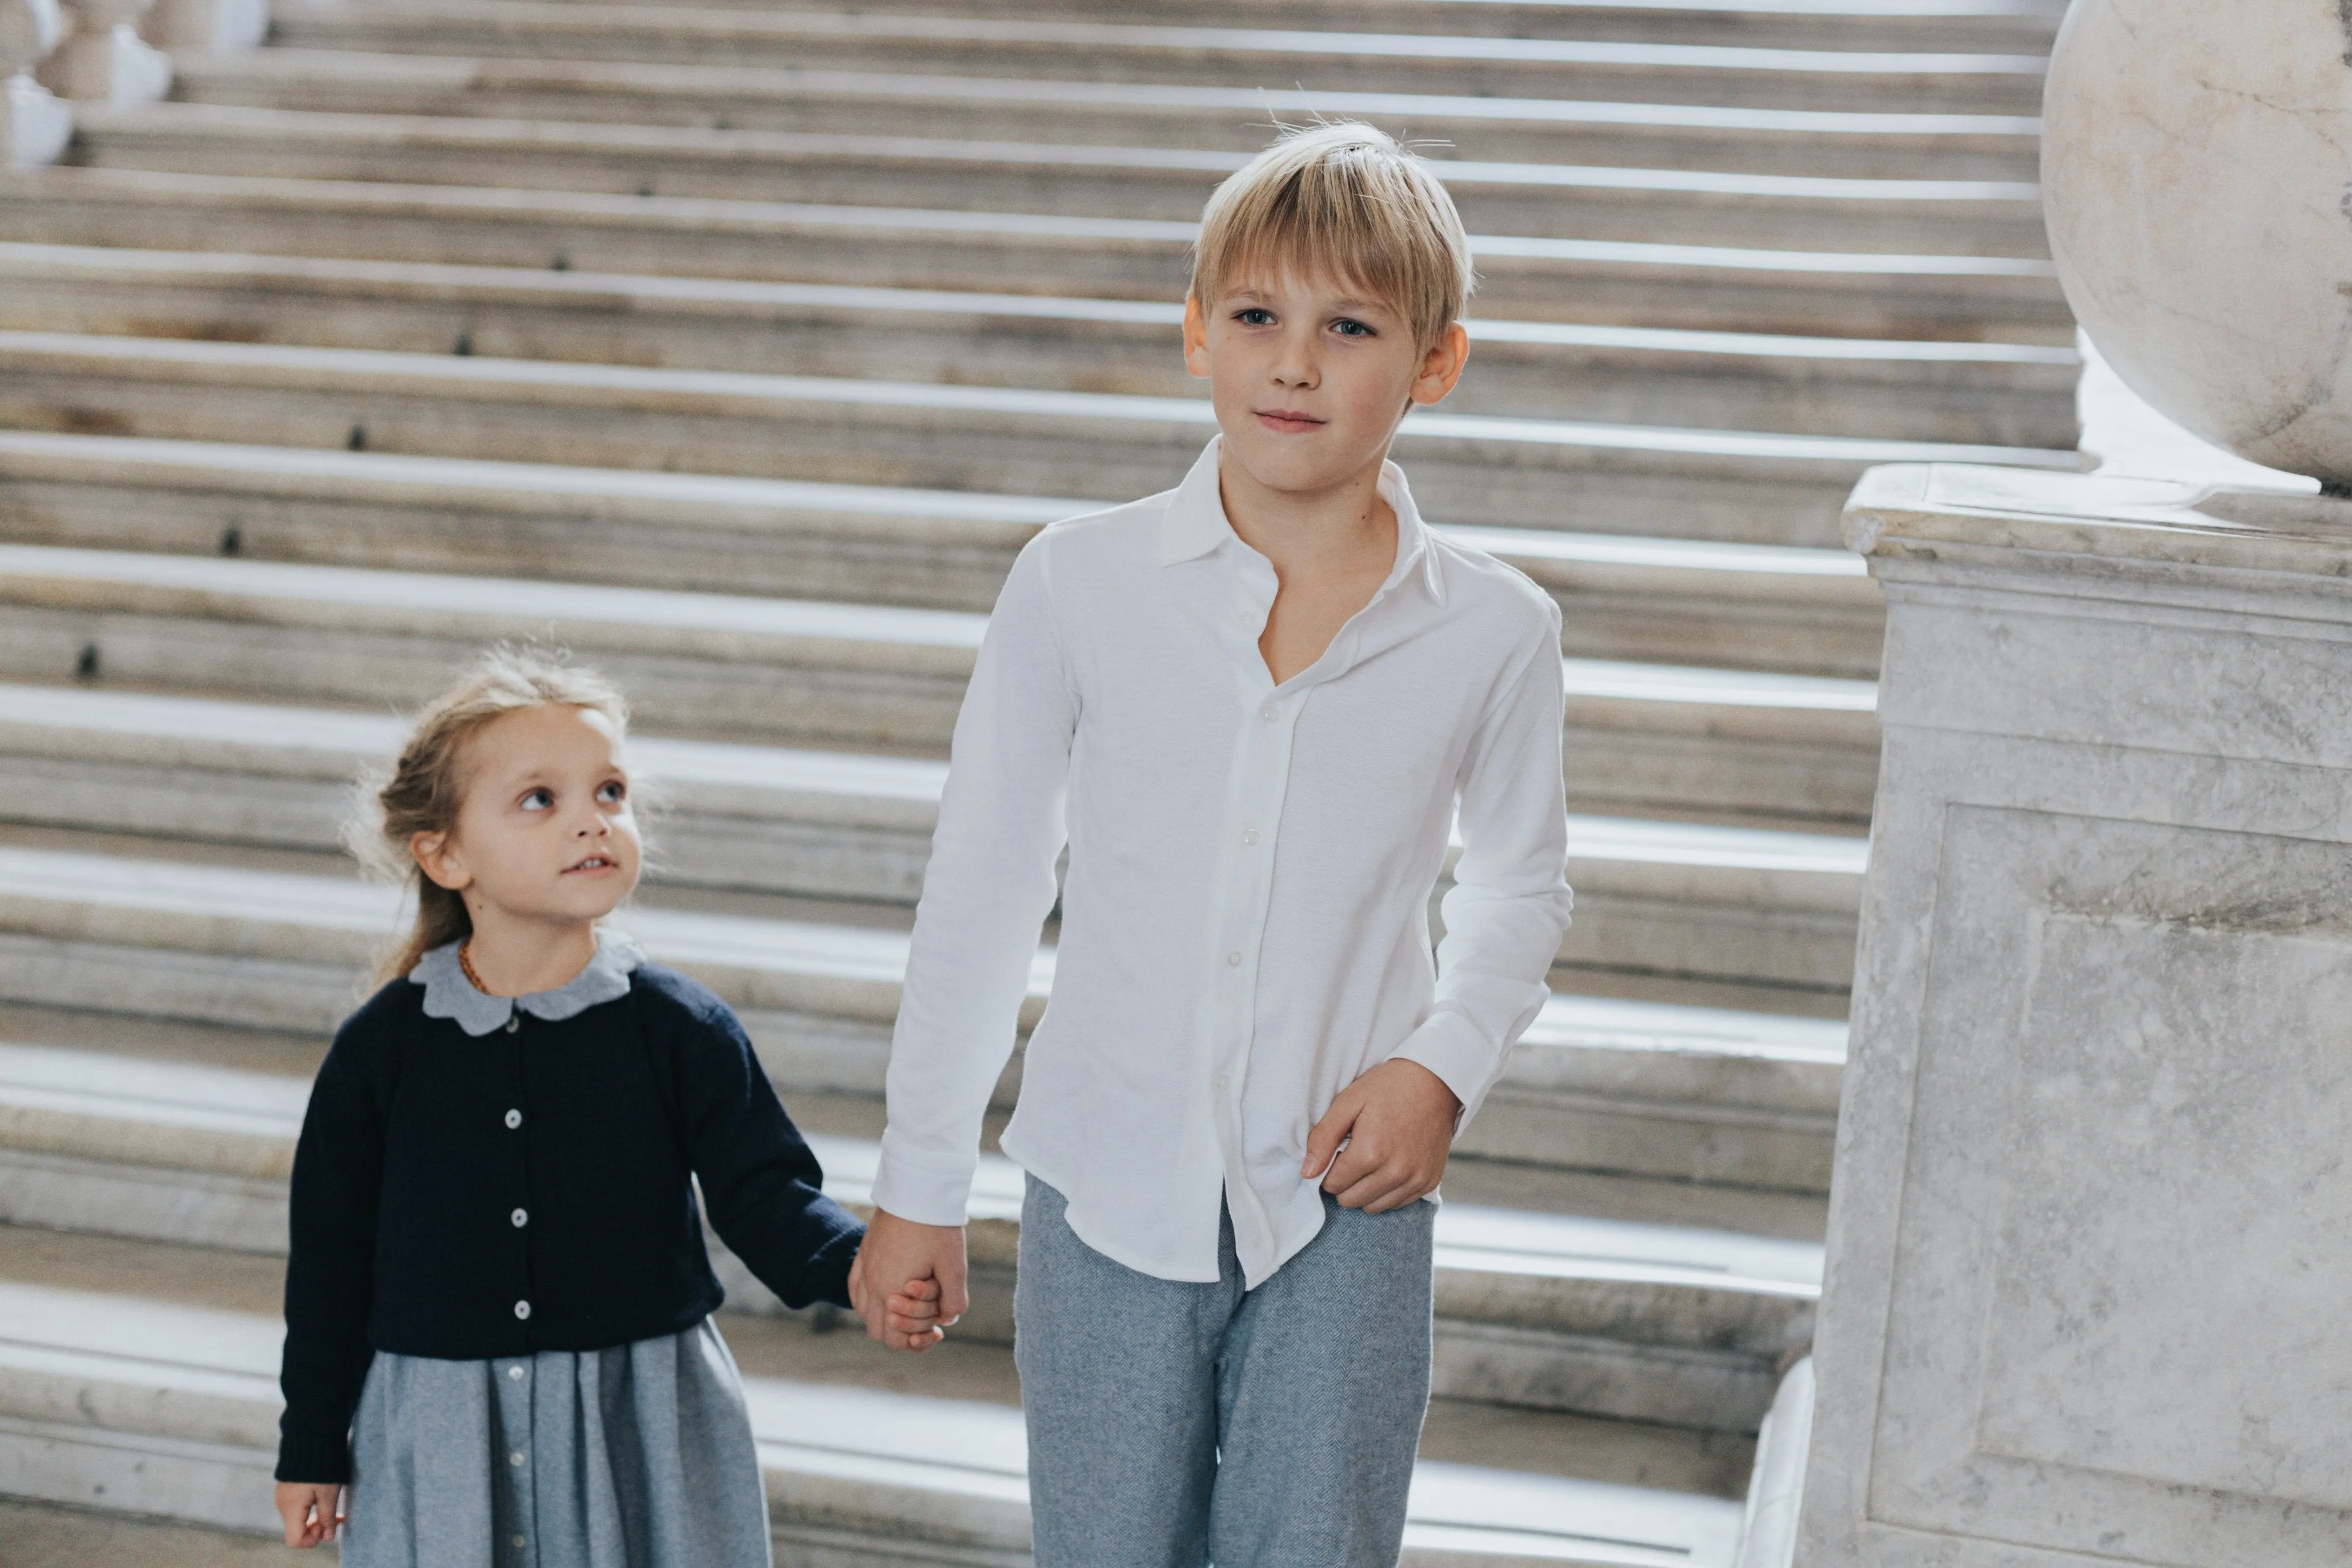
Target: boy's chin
1299	465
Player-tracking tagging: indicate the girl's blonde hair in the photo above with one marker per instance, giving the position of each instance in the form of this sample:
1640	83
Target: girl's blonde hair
428	784
1344	200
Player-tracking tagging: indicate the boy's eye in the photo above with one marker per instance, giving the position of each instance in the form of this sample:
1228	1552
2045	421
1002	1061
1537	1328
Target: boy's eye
1254	316
1349	327
539	801
613	794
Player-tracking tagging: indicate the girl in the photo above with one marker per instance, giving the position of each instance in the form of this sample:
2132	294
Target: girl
498	1302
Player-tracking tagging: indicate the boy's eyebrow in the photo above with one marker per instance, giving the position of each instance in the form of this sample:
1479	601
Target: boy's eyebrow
1346	302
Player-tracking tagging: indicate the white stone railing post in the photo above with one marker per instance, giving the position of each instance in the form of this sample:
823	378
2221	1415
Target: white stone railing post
34	126
208	26
104	60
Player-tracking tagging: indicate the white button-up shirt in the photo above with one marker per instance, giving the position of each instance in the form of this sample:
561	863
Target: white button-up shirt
1245	922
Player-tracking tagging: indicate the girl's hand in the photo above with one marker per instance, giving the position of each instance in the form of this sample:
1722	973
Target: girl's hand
309	1509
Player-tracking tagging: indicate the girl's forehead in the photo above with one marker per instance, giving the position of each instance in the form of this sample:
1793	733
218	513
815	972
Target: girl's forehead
549	735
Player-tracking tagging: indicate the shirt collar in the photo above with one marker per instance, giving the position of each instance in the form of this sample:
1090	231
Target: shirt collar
1195	523
448	994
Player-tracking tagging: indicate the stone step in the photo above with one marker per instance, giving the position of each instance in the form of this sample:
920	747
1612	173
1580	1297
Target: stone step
1989	394
1480	469
1223	56
1977	217
112	1397
1647	1089
2023	26
1708	287
1812	611
1594	1317
1131	114
1676	900
1686	740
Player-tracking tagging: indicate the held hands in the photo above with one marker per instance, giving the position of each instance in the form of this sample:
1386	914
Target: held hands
930	1260
1397	1122
310	1510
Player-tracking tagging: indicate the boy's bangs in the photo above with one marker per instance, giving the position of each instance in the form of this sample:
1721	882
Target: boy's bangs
1344	203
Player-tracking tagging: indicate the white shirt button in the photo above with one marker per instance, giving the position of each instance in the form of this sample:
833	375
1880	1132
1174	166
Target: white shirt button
522	1217
1249	836
1235	959
522	1308
1270	715
515	1372
514	1118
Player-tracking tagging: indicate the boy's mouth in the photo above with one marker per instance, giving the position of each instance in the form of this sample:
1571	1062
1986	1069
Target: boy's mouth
593	863
1288	421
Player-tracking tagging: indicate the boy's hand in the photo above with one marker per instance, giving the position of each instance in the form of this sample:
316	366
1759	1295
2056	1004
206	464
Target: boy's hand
1397	1120
309	1511
930	1260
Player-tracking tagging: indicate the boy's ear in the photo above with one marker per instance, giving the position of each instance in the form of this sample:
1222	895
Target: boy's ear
1196	337
1442	366
438	857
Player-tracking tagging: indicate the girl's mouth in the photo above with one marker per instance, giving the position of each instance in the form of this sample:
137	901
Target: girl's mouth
593	863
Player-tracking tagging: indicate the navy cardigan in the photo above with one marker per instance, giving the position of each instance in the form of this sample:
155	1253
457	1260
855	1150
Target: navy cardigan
471	1197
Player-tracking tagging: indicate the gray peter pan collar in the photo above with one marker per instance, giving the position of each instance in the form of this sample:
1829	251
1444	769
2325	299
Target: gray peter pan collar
449	995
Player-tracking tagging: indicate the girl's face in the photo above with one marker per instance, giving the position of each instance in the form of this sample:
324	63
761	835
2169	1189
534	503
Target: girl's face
546	831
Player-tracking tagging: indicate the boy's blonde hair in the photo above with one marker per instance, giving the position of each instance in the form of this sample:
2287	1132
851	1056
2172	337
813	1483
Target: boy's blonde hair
427	785
1346	201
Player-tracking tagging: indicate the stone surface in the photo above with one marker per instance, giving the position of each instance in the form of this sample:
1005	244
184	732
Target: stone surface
2092	1132
209	27
104	60
2194	164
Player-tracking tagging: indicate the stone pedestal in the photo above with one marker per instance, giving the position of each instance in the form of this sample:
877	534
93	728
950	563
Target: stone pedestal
34	126
104	60
2091	1230
208	26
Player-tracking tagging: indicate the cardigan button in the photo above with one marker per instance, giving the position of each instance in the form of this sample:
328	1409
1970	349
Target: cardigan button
522	1308
514	1119
522	1217
514	1023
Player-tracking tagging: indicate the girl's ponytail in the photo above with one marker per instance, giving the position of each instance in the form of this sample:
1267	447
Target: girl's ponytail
427	785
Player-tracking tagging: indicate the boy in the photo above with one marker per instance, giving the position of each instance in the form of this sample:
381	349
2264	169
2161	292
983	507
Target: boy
1251	706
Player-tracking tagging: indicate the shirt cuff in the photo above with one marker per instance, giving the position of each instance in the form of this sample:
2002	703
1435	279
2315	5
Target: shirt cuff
1463	1060
928	1191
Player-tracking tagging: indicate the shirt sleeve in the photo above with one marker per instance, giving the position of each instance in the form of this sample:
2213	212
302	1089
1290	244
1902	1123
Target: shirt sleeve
986	894
759	1179
1509	904
331	1258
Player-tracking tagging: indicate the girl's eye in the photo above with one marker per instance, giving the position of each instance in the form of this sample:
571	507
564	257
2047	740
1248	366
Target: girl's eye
611	794
539	801
1254	316
1348	327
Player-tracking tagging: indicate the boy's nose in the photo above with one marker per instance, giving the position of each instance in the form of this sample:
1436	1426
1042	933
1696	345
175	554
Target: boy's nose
1295	365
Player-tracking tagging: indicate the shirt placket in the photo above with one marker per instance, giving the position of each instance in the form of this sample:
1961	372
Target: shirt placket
1262	779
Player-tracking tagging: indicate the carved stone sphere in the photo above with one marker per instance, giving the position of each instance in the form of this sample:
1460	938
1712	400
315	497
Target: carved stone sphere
2197	173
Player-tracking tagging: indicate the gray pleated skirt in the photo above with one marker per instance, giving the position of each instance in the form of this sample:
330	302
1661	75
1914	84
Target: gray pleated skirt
636	1457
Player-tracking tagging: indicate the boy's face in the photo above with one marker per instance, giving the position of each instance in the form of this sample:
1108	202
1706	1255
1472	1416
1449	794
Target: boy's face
1309	376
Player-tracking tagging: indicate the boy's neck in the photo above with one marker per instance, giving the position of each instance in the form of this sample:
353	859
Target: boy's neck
1304	528
513	957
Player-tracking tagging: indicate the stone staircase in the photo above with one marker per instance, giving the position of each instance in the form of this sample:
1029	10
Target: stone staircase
739	350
